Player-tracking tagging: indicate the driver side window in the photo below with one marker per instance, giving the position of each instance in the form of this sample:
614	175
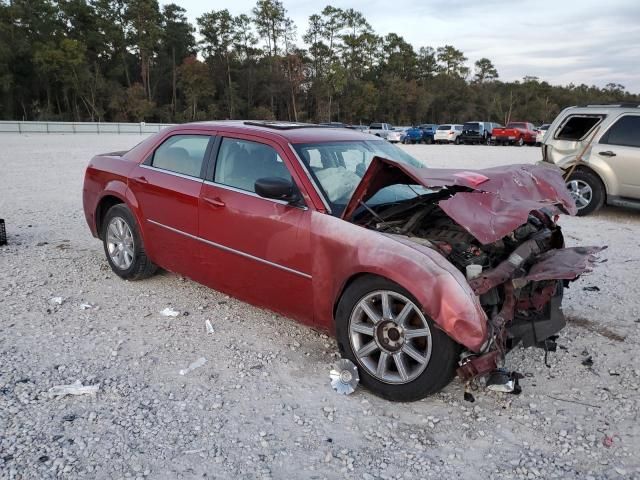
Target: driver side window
241	162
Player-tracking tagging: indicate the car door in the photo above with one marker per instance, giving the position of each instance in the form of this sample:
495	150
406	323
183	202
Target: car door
255	248
619	147
167	188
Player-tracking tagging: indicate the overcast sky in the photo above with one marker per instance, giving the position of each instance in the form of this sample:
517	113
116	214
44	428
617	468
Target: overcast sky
561	41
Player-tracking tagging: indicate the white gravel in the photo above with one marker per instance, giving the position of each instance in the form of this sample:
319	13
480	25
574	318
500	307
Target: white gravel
261	405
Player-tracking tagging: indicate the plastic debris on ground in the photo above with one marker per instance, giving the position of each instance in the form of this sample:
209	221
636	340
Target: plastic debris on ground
169	312
57	300
76	388
192	366
86	306
344	377
209	326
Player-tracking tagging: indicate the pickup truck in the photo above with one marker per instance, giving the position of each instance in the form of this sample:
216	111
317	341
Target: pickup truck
515	133
386	131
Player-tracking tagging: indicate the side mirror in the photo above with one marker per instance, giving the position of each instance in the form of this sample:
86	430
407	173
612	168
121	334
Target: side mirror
277	188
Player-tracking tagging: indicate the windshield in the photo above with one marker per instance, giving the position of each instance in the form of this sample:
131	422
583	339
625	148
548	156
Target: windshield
338	167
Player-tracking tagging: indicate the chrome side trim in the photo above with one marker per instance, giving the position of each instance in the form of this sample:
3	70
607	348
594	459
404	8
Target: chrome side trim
313	182
231	250
169	172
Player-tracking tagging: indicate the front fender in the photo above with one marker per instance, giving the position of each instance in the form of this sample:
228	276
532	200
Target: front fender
342	250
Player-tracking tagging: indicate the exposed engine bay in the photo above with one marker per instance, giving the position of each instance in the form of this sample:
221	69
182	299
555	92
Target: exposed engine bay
521	310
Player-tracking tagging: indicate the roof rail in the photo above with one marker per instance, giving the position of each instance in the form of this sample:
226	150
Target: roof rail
276	125
619	105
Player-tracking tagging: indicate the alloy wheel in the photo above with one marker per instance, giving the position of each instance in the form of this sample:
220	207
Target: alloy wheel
390	337
120	243
581	192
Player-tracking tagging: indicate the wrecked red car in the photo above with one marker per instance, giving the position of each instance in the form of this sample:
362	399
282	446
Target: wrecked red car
418	272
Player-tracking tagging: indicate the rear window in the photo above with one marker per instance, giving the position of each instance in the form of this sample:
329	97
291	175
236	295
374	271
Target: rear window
471	126
376	126
444	127
576	127
517	125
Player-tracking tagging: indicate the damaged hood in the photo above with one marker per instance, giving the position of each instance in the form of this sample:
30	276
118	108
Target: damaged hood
493	203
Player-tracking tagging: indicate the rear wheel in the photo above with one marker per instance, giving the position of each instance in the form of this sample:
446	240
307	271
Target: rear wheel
123	245
401	355
587	190
520	142
457	141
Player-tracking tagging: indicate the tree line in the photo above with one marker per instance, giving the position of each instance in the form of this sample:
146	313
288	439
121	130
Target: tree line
133	60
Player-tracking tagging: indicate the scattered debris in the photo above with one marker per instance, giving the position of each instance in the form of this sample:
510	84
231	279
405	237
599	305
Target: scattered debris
613	373
591	288
86	306
468	396
69	418
192	366
56	300
501	380
169	312
344	377
588	362
209	326
607	441
76	388
43	458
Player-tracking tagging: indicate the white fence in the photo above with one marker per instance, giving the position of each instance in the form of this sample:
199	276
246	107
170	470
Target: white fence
79	127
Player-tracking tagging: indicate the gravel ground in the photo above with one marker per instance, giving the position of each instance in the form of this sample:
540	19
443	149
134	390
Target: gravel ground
261	406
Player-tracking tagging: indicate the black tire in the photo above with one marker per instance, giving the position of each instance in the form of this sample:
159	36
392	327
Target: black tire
457	141
141	267
429	141
598	192
444	354
520	142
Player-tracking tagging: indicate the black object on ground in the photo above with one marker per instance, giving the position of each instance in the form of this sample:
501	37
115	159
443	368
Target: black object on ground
3	233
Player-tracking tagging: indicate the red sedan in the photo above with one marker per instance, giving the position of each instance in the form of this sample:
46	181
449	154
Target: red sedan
418	272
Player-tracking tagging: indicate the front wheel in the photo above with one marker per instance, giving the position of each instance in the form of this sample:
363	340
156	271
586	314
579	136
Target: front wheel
400	353
587	190
123	245
520	142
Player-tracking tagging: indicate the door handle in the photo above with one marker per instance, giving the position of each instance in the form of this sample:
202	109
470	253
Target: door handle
214	202
140	179
607	153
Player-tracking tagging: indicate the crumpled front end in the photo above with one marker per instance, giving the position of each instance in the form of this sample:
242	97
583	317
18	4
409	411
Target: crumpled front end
498	227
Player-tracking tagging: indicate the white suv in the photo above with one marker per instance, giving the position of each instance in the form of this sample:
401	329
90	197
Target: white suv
448	133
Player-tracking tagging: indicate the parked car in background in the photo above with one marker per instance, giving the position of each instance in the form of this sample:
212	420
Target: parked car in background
397	134
540	132
429	131
476	132
360	128
350	236
448	133
515	133
609	172
420	134
380	129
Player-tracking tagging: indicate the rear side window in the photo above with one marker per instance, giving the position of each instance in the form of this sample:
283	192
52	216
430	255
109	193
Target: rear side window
576	127
625	132
444	127
182	154
241	162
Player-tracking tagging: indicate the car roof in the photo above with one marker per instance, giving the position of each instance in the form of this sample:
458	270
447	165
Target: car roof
289	131
608	108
